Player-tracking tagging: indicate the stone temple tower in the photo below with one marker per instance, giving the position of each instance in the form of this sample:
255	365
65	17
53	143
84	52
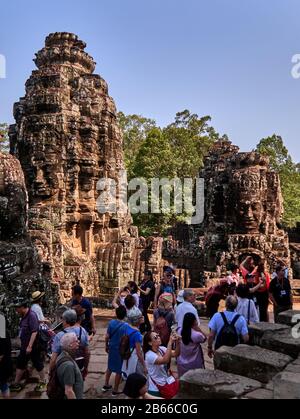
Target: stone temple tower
67	138
243	209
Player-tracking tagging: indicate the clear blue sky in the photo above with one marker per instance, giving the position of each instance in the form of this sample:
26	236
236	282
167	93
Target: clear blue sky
230	59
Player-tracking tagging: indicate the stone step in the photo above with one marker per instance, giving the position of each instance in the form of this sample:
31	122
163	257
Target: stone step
258	330
251	362
207	384
287	386
261	394
289	317
283	342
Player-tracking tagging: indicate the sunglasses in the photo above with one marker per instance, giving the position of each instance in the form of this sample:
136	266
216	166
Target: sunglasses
156	337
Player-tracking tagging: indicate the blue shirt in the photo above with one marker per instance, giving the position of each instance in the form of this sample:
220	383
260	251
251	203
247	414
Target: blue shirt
216	324
85	304
135	337
116	329
56	346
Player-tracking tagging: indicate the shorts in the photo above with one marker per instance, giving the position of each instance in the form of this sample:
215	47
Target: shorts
4	387
36	358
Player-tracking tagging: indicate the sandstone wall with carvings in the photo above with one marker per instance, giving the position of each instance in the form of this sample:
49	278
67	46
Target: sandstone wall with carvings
21	272
67	138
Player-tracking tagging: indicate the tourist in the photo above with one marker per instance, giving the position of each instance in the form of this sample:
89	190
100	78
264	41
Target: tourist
179	298
119	299
281	293
147	292
136	362
46	335
247	266
165	286
158	358
6	367
253	287
130	305
174	277
68	372
164	317
36	307
191	354
136	388
133	287
70	325
233	278
116	329
187	307
29	327
262	294
214	295
235	275
84	308
246	306
283	265
227	328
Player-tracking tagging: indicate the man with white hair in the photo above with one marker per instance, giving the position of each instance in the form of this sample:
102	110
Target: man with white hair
187	306
68	372
70	325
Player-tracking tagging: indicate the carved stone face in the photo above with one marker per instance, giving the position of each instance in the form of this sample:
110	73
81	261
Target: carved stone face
250	215
250	210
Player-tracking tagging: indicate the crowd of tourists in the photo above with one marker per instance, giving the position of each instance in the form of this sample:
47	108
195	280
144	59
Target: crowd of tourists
149	356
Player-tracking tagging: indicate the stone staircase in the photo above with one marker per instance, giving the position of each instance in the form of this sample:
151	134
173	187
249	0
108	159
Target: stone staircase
268	368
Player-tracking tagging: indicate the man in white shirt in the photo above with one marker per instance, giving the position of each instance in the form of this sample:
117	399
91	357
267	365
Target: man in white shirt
36	299
187	306
246	307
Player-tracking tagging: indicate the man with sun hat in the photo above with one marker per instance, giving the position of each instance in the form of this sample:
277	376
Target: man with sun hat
36	300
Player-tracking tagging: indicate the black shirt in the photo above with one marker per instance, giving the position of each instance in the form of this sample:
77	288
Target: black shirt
150	297
281	291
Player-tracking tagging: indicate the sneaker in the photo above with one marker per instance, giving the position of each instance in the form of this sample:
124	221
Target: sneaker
106	388
15	388
41	387
116	393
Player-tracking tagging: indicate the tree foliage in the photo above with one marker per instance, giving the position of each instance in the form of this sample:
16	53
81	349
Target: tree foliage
135	129
282	163
175	151
4	140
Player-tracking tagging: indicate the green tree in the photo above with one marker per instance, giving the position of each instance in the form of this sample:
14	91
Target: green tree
4	140
135	129
282	162
190	138
176	151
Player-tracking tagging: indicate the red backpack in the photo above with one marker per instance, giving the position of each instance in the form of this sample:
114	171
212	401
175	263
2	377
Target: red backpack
162	328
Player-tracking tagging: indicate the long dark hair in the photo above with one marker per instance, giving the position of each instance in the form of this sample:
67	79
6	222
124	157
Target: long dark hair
146	343
186	332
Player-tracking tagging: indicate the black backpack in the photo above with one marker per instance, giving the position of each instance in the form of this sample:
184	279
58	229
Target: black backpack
228	335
